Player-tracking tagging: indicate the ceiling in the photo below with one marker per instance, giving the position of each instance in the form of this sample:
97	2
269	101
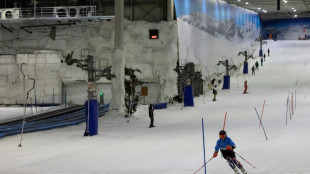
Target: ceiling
267	9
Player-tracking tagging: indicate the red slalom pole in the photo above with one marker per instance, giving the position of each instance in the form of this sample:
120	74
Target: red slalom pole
203	165
224	121
261	117
292	105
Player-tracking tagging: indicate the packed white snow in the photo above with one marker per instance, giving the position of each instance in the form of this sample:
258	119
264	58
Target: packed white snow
174	146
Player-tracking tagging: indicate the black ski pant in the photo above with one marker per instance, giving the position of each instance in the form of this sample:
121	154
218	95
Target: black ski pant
152	121
230	156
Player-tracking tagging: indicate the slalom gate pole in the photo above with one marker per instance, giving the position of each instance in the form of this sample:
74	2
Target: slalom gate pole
224	121
286	109
261	117
261	123
22	131
204	151
245	160
203	165
289	106
292	104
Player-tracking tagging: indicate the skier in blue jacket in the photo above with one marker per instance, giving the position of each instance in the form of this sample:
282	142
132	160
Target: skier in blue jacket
226	145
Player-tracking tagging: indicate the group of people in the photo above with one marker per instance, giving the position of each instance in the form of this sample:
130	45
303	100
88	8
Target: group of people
261	62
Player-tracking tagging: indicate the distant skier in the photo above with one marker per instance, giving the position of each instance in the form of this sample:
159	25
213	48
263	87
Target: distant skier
214	93
268	52
151	115
245	87
226	145
253	70
256	65
264	57
261	61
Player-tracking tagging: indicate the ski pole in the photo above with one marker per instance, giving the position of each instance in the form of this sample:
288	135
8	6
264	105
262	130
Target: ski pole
245	160
203	165
224	121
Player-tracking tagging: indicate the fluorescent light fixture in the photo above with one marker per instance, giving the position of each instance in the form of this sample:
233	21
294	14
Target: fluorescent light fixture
258	8
239	0
246	3
295	16
294	10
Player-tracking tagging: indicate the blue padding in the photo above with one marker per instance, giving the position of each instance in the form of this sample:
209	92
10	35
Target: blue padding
226	84
160	105
260	53
188	96
73	118
245	68
93	117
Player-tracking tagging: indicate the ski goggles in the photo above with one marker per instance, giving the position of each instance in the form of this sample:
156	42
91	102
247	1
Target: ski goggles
222	136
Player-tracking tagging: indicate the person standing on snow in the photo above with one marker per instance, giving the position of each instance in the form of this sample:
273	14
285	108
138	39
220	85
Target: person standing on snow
253	70
226	145
256	65
214	93
151	115
261	61
264	57
268	52
245	87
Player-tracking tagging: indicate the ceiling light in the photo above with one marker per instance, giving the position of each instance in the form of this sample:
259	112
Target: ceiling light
239	0
295	10
246	3
295	16
258	8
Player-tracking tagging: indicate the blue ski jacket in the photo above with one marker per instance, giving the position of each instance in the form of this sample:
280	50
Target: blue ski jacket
220	144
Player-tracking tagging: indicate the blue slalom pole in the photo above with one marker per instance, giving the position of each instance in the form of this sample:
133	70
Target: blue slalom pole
261	123
204	151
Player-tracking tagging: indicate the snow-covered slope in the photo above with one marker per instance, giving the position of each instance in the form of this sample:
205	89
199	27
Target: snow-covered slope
174	146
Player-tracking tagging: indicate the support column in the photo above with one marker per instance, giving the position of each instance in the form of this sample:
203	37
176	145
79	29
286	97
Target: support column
170	10
118	60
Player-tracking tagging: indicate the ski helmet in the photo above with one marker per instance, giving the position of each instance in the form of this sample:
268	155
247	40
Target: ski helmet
222	132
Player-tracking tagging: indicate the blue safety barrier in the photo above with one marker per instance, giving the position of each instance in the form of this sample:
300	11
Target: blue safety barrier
245	68
188	96
92	119
70	119
226	84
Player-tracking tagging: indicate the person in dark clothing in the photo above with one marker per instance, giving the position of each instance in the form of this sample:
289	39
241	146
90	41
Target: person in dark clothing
268	52
253	70
264	57
261	61
214	93
256	65
151	115
226	145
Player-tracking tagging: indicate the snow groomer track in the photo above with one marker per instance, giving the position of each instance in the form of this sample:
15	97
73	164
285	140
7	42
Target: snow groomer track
54	119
